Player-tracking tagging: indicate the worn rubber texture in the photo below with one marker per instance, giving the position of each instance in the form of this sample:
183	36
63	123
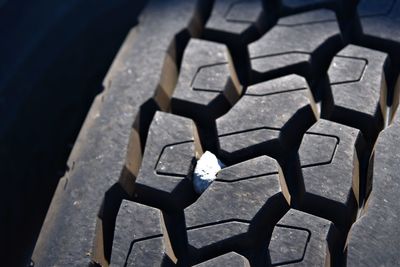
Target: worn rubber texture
297	98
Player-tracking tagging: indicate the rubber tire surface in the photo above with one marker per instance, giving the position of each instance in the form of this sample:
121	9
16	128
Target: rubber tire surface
297	98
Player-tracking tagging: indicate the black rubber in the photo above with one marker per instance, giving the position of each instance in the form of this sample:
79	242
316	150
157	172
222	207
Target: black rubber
297	98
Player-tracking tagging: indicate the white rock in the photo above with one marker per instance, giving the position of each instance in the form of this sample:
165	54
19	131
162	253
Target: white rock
206	171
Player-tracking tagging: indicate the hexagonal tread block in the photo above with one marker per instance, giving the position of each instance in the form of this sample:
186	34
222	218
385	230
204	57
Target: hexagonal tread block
138	239
301	239
362	103
338	71
262	113
246	197
277	62
298	37
374	238
330	187
206	81
311	17
167	163
232	17
161	180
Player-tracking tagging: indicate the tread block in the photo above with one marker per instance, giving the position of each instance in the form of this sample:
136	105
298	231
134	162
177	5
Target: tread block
211	78
328	185
262	112
236	200
216	237
176	159
236	197
138	236
340	66
233	17
307	18
321	151
230	259
359	104
381	19
205	77
300	238
239	144
374	238
300	37
153	187
264	64
260	166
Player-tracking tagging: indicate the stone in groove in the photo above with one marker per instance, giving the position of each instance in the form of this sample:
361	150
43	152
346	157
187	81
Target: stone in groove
374	238
206	171
230	259
161	190
99	154
302	238
176	159
264	111
297	38
232	16
141	226
386	20
360	104
199	71
328	188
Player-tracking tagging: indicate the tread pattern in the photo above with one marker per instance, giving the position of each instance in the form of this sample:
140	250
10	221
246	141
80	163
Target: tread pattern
142	244
300	238
290	95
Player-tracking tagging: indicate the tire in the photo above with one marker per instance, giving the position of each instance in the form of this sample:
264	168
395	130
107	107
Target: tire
297	98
